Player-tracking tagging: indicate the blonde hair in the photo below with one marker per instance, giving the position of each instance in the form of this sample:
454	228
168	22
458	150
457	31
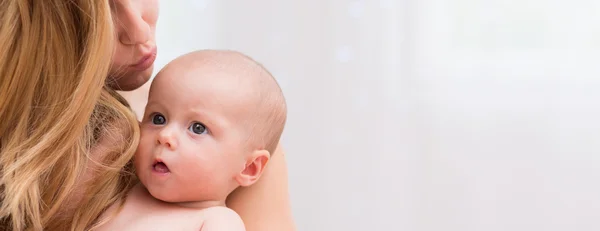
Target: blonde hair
55	109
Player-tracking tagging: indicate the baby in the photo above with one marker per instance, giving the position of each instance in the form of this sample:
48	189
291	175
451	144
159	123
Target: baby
212	121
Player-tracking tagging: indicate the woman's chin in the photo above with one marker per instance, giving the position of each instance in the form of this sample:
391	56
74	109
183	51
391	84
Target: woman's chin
130	81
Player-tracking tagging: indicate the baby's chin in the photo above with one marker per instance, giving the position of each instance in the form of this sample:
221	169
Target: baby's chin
163	194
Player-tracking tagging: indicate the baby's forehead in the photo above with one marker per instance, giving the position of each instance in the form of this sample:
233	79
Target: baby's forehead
209	71
221	75
206	85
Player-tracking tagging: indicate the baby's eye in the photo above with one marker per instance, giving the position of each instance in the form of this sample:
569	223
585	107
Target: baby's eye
198	128
158	119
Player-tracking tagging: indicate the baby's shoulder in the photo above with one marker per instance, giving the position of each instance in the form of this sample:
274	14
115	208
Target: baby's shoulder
222	218
220	211
140	211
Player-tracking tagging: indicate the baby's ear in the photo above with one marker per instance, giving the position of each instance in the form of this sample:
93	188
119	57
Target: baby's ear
254	168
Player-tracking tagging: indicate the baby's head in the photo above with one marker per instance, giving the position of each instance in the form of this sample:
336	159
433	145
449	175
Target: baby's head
212	121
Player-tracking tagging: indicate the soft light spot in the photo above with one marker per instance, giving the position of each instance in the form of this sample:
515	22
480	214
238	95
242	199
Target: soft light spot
356	9
385	4
344	54
200	4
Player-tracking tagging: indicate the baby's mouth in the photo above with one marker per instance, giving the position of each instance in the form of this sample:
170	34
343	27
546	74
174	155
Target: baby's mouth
160	167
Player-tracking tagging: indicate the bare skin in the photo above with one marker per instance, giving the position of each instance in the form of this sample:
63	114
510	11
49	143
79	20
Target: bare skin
263	206
187	174
143	212
266	205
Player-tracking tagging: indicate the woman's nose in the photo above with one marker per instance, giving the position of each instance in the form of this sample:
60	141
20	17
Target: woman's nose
134	29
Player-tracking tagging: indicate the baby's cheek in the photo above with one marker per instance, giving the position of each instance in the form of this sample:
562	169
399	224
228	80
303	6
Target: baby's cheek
140	155
139	151
146	141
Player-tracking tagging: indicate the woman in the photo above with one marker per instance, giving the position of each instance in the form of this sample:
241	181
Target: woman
66	138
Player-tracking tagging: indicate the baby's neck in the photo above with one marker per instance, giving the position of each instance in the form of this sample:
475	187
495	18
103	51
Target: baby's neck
141	192
201	204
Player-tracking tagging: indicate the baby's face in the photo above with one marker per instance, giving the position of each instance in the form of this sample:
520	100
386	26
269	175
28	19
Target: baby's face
192	140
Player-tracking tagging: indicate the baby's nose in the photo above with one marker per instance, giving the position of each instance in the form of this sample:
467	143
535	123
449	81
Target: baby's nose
167	138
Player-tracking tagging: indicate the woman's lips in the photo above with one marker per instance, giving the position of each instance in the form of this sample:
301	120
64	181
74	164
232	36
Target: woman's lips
146	61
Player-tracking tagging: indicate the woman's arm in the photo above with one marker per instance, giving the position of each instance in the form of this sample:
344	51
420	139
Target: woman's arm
265	206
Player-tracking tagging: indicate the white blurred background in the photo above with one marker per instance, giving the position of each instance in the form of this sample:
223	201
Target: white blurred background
423	115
